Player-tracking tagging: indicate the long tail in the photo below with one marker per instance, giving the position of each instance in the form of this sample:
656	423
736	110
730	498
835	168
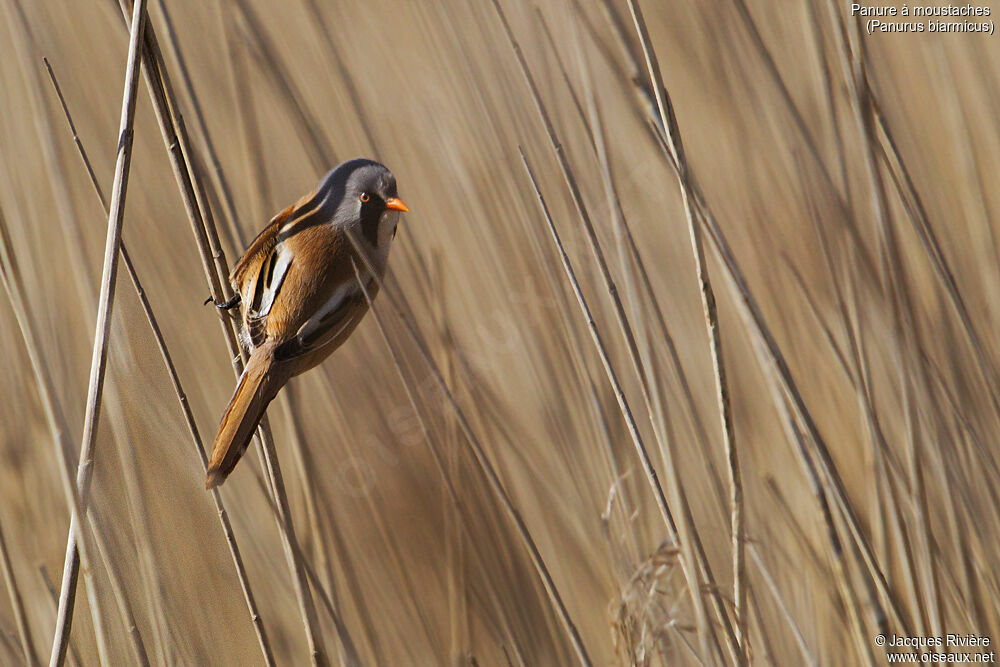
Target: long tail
258	386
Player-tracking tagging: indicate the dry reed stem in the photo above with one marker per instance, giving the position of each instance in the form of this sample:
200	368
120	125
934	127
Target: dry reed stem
16	604
830	97
226	524
765	638
754	319
979	448
112	401
349	657
157	93
26	49
393	553
287	398
9	642
178	389
576	353
690	574
840	567
242	90
387	535
458	629
888	152
859	359
844	210
632	347
461	375
214	261
343	559
623	231
236	60
647	464
876	431
749	309
691	542
804	542
884	145
738	521
859	379
118	590
443	467
73	658
219	181
102	334
313	138
486	467
917	214
323	32
310	492
214	265
267	448
595	132
862	386
931	612
482	408
289	401
893	274
310	487
454	553
498	552
53	411
800	641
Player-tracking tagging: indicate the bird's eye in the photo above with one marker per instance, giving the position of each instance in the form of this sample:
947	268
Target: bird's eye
364	197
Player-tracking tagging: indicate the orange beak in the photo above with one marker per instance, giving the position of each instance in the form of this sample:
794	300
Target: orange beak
396	204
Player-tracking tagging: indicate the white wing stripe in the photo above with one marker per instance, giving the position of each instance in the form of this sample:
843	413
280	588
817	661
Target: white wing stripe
271	290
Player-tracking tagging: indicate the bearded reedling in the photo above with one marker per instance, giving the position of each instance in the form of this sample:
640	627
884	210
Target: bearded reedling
298	294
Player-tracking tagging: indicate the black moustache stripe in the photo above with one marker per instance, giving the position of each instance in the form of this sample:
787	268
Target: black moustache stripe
371	214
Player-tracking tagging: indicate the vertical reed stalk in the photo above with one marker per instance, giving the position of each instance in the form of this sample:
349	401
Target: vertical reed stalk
690	567
442	466
161	344
213	263
487	469
738	521
53	414
314	140
102	334
73	658
16	604
754	319
349	656
215	173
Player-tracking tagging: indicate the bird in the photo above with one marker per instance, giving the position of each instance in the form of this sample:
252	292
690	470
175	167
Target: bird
298	291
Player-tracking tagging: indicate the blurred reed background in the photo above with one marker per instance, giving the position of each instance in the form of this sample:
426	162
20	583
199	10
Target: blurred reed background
852	179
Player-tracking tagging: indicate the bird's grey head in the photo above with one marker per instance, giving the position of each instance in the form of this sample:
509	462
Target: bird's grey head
363	195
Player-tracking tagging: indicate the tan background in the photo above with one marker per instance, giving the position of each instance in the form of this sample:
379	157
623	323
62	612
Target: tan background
447	107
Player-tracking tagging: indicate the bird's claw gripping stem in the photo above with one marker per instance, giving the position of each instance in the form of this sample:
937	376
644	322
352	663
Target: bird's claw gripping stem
225	305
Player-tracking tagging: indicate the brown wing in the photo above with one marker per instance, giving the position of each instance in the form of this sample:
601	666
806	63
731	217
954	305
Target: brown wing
299	289
260	248
327	330
328	304
319	278
259	273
